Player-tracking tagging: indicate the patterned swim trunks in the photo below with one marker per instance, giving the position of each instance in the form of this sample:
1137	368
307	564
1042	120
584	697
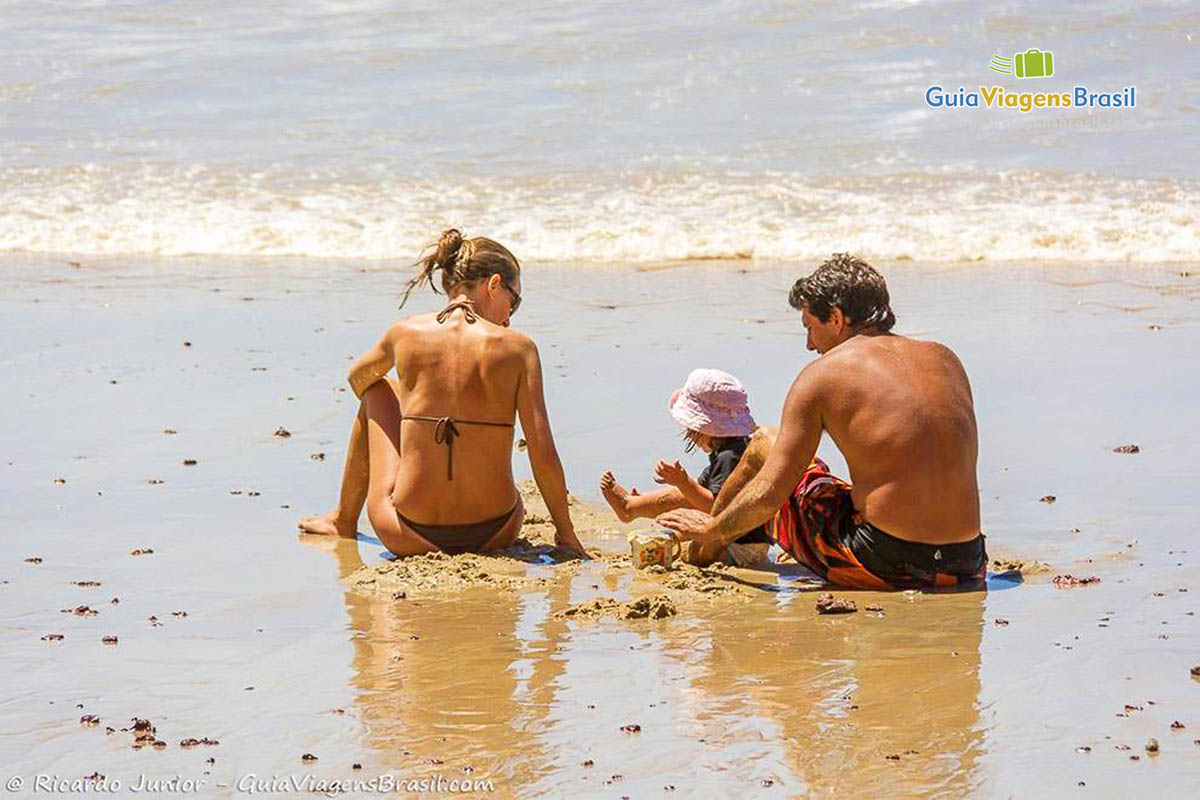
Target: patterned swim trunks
818	527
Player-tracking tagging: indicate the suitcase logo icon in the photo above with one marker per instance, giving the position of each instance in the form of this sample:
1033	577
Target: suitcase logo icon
1033	63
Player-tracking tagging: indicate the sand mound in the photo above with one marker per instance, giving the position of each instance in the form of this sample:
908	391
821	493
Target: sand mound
716	580
1025	566
417	575
657	606
534	561
505	569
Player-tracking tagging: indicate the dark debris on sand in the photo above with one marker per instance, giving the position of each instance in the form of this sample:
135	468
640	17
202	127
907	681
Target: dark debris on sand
144	734
192	742
828	604
1063	581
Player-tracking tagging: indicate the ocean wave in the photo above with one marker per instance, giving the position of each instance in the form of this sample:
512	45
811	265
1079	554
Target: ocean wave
231	211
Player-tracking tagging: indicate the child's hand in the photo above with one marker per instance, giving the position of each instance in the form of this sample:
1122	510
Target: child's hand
672	474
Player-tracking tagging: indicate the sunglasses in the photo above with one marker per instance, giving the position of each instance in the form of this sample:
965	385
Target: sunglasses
516	299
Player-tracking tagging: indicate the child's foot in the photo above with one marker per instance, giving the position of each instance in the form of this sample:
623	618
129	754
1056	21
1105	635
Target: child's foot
328	524
616	495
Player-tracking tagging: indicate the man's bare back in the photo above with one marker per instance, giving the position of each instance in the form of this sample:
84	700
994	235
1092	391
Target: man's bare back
901	413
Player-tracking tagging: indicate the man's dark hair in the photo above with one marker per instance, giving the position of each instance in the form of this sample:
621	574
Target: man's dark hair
852	285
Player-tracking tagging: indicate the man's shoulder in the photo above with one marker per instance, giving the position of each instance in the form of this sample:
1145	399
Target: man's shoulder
867	348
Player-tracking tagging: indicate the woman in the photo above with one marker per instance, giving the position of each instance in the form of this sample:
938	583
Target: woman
431	451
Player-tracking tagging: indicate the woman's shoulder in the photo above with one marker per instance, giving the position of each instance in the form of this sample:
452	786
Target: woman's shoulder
422	325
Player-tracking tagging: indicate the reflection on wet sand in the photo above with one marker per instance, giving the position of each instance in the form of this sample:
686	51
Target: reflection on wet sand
750	694
457	687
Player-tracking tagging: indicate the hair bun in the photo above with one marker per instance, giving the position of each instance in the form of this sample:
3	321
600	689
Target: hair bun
448	247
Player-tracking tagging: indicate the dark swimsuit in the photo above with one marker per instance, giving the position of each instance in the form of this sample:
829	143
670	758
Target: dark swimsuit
471	536
461	538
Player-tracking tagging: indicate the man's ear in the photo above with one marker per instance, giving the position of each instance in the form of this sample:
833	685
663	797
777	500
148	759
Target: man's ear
839	319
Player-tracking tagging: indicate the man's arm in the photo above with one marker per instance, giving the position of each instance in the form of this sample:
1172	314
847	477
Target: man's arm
373	364
794	448
543	456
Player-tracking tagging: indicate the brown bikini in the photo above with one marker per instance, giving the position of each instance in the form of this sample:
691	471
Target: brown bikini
472	536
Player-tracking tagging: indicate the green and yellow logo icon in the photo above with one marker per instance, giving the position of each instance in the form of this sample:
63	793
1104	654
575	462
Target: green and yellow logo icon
1033	63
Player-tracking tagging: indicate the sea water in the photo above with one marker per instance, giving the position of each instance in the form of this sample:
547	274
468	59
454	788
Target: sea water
594	131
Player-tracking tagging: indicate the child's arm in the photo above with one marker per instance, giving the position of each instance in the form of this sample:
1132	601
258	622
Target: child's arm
673	474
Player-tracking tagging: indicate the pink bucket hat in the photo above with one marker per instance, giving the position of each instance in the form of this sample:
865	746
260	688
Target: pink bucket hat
712	402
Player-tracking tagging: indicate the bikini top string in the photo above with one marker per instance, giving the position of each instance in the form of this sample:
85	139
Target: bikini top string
468	311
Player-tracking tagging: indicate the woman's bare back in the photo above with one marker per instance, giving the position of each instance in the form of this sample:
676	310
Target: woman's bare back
468	371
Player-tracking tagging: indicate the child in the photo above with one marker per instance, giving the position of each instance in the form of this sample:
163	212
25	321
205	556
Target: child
713	411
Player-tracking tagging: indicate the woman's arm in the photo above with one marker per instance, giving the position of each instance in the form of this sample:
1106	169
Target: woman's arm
543	456
374	364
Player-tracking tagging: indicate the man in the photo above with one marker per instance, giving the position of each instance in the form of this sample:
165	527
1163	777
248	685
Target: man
900	411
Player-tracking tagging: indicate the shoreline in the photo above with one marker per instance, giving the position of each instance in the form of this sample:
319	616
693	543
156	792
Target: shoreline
15	259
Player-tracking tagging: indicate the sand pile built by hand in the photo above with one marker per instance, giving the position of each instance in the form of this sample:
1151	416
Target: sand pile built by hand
507	569
715	580
434	572
657	606
533	560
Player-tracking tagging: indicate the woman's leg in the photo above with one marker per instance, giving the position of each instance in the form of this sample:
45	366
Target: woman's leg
381	410
356	474
372	459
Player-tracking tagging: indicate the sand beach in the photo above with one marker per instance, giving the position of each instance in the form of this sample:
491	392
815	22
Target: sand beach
144	412
208	211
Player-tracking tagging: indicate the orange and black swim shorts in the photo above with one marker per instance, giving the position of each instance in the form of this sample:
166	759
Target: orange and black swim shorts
818	528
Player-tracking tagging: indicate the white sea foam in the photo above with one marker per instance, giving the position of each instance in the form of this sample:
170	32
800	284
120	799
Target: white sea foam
629	218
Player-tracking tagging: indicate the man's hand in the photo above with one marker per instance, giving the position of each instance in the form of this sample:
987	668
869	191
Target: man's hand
687	523
569	543
670	473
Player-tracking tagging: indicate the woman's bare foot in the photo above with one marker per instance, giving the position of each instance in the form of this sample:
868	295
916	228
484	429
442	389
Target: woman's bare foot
616	495
328	524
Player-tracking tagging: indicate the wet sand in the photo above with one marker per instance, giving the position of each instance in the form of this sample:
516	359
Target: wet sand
1025	690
